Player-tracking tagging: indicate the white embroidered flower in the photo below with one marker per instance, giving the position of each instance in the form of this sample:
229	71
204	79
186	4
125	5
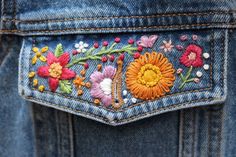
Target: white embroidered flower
81	46
167	46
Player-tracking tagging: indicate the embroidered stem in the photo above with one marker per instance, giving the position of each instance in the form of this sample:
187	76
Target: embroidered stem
117	99
128	48
185	79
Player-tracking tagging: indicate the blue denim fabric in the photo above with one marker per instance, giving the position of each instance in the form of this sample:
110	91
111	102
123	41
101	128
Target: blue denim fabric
30	129
16	131
73	16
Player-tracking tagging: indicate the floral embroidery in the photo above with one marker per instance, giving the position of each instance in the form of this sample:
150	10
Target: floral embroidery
192	58
56	71
101	85
151	76
79	82
81	47
146	41
104	52
148	75
167	46
39	54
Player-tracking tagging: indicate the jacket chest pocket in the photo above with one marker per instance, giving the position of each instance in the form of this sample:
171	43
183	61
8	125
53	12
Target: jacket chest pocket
120	78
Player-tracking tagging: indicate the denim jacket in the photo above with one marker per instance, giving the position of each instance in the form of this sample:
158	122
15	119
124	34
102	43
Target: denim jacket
117	78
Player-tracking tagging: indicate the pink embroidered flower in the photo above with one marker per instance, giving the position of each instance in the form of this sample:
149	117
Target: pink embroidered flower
146	41
55	70
102	84
192	56
167	46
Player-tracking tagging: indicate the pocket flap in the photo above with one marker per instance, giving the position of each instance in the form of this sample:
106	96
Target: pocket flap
119	78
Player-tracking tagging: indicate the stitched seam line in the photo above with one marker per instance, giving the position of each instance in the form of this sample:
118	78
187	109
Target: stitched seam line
127	119
71	134
117	17
219	133
181	133
105	28
125	108
184	26
194	132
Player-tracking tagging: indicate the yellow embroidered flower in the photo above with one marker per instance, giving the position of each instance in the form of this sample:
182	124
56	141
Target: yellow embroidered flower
150	76
39	54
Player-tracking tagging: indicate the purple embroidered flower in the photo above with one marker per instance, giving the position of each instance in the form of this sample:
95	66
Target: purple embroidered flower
184	37
102	84
179	47
146	41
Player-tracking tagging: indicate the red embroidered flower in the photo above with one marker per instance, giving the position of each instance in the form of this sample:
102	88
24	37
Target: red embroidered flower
55	70
192	56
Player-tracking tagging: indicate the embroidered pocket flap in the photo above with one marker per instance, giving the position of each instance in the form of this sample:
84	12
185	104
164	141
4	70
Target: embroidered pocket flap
119	78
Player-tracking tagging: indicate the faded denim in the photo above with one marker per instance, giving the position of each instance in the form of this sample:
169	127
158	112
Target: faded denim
30	129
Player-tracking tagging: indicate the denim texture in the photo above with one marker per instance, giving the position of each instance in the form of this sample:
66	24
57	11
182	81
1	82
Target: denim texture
16	132
30	129
71	16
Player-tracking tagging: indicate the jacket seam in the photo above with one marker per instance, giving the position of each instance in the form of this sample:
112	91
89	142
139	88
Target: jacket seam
117	17
184	26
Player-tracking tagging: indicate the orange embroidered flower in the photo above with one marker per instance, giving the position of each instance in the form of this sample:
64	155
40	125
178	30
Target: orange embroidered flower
79	82
150	76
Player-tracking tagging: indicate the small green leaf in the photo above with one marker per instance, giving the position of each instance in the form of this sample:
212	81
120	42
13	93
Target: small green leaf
65	86
59	50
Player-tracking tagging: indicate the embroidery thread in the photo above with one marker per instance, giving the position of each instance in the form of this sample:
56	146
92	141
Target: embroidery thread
102	85
56	71
147	76
103	52
150	77
39	54
146	41
191	58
